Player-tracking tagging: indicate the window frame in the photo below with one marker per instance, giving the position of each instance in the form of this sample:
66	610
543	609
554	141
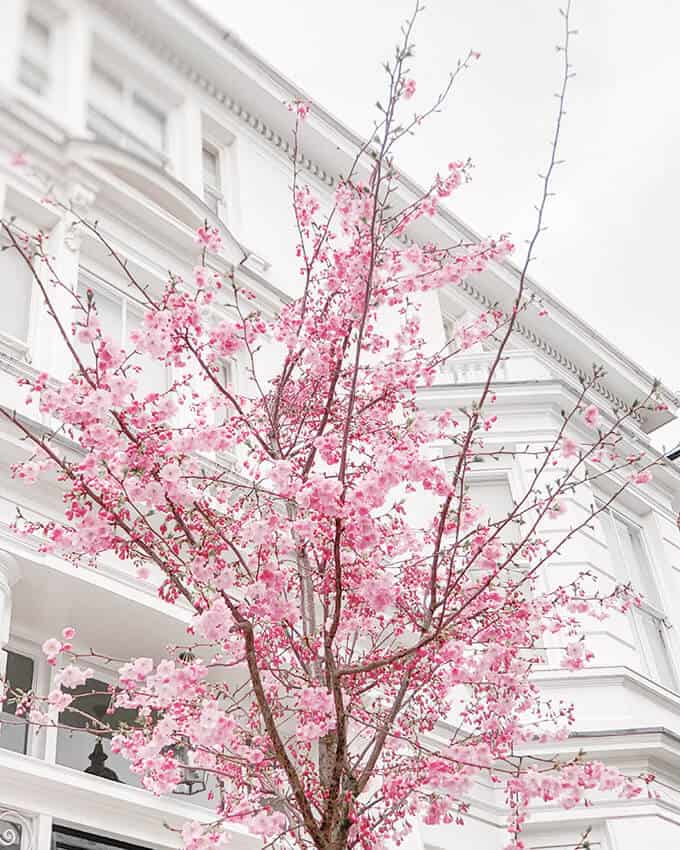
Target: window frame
216	190
43	65
30	650
125	127
93	281
649	609
14	345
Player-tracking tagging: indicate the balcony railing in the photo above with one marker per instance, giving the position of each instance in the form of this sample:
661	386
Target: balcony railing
514	366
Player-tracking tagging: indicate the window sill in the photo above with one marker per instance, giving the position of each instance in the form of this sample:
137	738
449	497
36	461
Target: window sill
14	347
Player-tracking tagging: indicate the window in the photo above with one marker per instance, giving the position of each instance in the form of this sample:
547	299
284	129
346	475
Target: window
632	563
34	60
14	730
119	315
149	121
212	193
65	838
122	114
227	377
450	330
493	495
16	282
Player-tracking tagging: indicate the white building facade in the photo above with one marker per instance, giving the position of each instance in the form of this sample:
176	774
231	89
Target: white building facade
150	119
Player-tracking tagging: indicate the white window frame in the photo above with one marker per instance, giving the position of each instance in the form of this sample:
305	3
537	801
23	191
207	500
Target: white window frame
9	342
647	609
19	646
47	17
213	191
123	128
91	280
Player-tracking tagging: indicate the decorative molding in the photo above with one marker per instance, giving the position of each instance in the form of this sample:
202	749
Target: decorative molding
9	834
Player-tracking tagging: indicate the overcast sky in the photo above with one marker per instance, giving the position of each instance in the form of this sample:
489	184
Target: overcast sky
609	253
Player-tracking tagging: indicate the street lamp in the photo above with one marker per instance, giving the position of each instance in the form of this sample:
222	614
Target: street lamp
193	779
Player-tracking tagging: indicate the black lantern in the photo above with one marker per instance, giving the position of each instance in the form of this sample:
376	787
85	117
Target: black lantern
98	759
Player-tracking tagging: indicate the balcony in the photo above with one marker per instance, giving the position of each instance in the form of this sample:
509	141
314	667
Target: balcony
519	366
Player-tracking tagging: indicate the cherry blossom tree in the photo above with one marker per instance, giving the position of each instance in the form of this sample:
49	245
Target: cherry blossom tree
334	629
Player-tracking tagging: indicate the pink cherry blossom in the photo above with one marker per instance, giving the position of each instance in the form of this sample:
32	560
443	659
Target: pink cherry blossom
209	238
591	415
569	448
409	89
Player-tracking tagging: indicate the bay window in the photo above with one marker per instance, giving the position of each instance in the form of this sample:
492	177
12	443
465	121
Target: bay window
123	114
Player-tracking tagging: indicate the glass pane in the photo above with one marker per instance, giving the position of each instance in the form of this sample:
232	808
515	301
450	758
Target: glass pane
34	60
16	284
654	631
10	835
149	123
212	199
109	310
495	499
33	75
227	378
642	568
14	730
92	753
106	88
619	568
450	326
210	167
154	375
36	36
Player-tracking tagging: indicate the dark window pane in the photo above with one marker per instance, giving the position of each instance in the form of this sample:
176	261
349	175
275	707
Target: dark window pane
14	730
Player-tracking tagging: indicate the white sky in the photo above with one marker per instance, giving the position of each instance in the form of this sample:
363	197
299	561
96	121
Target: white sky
609	253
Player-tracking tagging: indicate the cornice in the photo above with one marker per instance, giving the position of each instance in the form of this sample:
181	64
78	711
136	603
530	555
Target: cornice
547	348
